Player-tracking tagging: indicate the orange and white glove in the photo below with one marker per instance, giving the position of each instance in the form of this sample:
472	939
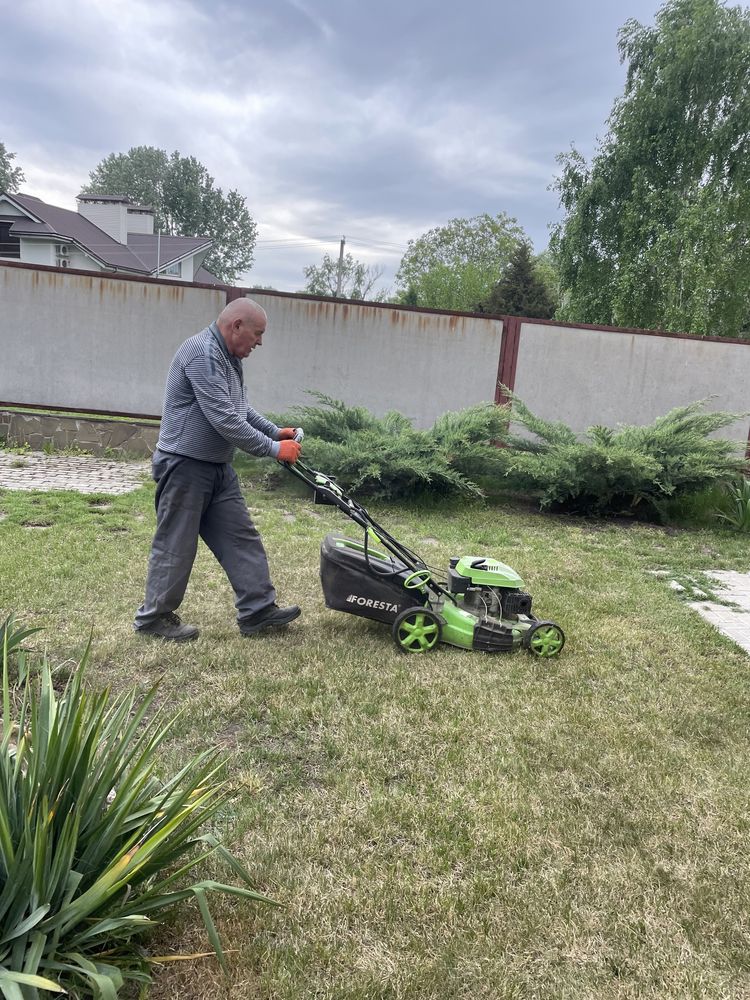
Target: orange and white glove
286	433
289	451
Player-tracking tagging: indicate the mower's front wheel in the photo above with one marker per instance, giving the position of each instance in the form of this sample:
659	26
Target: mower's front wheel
417	630
544	639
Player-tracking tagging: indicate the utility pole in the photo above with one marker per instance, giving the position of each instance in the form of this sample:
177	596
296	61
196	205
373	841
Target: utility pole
341	266
158	252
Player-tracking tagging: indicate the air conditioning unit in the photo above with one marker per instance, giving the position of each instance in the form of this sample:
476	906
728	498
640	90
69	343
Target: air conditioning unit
63	250
65	262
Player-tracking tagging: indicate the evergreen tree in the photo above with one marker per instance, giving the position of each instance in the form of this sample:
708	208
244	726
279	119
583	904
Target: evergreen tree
520	291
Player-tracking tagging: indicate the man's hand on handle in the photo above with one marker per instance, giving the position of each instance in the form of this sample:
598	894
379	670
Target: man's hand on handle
289	451
287	433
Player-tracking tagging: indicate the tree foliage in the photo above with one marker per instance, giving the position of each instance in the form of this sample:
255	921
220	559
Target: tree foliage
181	191
656	232
455	266
358	280
11	178
520	291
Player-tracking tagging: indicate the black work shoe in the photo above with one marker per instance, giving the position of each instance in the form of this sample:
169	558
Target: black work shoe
170	627
270	617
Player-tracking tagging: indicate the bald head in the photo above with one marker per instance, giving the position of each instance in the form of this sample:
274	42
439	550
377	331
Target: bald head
242	324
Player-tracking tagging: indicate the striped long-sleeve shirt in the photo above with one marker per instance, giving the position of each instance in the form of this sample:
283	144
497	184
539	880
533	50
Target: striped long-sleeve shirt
206	413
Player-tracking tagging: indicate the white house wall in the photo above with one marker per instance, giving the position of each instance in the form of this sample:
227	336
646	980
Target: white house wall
7	209
37	252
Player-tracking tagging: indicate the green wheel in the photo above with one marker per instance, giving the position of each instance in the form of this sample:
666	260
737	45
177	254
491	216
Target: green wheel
416	630
544	639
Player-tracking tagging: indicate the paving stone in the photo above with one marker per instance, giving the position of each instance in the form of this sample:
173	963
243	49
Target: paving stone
36	470
733	622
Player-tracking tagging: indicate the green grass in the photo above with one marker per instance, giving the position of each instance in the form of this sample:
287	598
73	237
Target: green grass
448	826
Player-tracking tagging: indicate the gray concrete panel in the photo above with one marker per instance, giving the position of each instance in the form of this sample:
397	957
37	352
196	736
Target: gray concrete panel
88	342
584	377
421	364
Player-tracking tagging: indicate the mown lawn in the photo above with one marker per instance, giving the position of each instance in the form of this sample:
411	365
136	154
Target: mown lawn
449	826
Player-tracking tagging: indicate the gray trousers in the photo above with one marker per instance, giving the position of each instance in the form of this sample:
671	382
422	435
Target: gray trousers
202	499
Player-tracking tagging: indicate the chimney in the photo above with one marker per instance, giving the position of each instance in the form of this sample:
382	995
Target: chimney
140	219
107	211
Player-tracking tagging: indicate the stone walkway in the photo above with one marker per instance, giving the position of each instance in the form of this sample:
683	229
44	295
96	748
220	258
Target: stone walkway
36	470
733	622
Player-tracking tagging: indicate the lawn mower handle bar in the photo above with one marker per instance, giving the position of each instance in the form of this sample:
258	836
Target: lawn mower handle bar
322	484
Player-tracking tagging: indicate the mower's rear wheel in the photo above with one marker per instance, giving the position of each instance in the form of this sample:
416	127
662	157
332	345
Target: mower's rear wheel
544	639
417	630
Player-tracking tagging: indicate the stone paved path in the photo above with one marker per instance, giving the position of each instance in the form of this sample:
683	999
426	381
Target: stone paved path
733	622
35	470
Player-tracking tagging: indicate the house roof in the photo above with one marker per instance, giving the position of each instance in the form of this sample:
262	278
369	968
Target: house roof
171	248
139	256
201	274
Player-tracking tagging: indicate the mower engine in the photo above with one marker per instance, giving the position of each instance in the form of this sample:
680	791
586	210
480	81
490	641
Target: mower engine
490	589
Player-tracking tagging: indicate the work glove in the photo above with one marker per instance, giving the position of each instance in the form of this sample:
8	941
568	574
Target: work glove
286	433
289	451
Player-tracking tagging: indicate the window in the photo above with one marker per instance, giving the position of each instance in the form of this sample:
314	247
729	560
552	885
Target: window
174	269
10	246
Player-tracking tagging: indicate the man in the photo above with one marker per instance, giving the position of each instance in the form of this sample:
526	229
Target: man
206	415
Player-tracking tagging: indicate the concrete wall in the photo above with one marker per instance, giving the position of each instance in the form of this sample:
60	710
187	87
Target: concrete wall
90	342
585	376
98	342
421	364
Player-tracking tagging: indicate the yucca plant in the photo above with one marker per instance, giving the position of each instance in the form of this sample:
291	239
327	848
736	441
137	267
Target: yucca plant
12	634
737	513
95	849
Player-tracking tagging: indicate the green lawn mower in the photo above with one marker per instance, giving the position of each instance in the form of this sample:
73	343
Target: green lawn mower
480	604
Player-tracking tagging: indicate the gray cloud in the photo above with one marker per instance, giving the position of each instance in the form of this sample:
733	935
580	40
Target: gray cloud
331	116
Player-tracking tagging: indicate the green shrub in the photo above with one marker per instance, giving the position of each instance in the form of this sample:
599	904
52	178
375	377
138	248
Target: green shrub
94	849
386	458
633	470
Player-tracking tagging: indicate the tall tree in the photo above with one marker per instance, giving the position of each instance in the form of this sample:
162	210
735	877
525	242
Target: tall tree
11	178
520	291
358	280
456	265
181	191
657	228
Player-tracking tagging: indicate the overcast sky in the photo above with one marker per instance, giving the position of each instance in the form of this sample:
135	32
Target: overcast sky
372	120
